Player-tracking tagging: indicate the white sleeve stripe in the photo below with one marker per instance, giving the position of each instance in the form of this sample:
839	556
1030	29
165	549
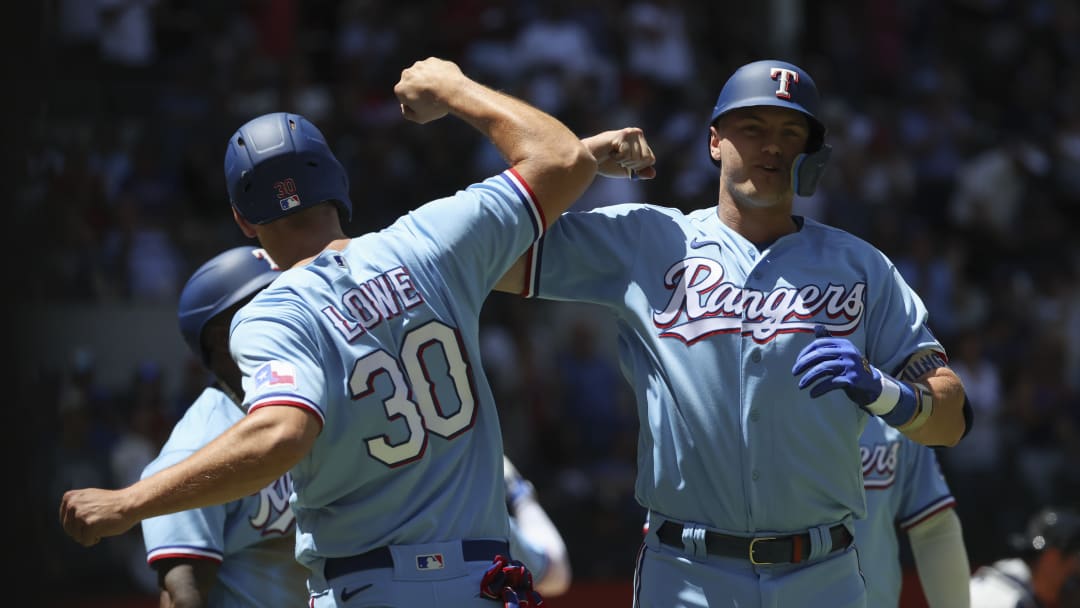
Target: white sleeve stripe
532	270
182	551
536	214
945	502
290	400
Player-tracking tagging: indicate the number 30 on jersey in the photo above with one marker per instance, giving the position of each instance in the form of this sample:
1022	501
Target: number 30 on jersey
423	412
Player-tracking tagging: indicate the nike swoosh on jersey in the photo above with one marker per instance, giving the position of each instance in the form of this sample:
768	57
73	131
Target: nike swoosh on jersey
697	243
347	593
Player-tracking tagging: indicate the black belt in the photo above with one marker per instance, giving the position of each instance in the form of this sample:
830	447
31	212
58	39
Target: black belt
761	550
471	551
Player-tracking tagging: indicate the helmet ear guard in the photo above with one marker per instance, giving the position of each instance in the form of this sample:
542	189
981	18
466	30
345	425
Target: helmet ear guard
807	170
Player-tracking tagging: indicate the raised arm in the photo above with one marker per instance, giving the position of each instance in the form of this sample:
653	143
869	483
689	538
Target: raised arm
548	156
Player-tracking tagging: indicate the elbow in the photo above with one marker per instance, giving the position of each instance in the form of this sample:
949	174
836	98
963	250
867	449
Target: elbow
957	426
952	438
579	164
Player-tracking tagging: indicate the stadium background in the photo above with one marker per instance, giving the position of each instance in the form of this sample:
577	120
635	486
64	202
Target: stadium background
956	125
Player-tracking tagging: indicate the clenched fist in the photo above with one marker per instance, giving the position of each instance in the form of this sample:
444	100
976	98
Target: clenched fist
622	153
91	514
424	88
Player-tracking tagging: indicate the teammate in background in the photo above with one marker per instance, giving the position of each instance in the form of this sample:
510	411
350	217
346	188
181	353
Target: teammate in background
757	343
361	365
905	488
534	539
239	553
1045	572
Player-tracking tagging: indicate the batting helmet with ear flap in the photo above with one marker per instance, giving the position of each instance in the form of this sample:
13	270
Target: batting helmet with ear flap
222	281
280	163
781	84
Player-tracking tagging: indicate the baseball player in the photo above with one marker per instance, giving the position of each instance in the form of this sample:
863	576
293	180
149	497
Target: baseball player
360	363
905	489
1045	572
757	343
534	539
239	553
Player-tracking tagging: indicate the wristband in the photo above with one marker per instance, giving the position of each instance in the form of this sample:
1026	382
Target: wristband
897	405
888	399
924	407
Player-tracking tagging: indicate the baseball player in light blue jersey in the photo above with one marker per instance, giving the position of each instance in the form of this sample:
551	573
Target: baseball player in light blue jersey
905	490
361	368
737	324
534	539
239	554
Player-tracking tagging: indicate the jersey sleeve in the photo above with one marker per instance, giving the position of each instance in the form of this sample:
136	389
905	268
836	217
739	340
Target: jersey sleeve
899	324
473	237
924	491
587	256
278	355
193	534
197	533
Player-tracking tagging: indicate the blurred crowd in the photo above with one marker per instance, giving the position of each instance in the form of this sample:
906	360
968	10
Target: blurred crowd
956	134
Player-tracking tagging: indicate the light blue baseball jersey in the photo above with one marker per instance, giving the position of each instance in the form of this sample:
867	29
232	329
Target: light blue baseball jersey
253	539
709	328
381	342
904	486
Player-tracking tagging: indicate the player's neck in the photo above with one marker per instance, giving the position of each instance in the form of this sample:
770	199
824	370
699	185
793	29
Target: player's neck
758	224
296	247
336	244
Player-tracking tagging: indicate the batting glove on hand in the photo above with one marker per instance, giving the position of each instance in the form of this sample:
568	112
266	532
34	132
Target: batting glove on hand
510	582
838	364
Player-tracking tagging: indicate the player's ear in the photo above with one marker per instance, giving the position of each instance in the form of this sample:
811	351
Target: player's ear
245	226
714	143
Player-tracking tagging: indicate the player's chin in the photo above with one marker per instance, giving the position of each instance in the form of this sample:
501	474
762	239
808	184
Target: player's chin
770	182
754	198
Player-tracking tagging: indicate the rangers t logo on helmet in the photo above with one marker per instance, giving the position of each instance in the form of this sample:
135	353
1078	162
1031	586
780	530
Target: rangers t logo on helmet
785	77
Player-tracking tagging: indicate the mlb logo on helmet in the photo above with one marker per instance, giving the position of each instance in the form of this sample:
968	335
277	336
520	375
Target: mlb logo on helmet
433	561
290	202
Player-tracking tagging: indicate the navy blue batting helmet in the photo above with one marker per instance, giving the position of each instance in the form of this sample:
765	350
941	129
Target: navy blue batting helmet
224	280
280	163
776	83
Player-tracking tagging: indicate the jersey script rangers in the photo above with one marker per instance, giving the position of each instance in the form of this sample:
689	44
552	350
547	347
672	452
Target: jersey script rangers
709	326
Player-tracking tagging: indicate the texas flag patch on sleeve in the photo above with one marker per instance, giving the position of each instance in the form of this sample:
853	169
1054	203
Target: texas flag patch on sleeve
275	374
